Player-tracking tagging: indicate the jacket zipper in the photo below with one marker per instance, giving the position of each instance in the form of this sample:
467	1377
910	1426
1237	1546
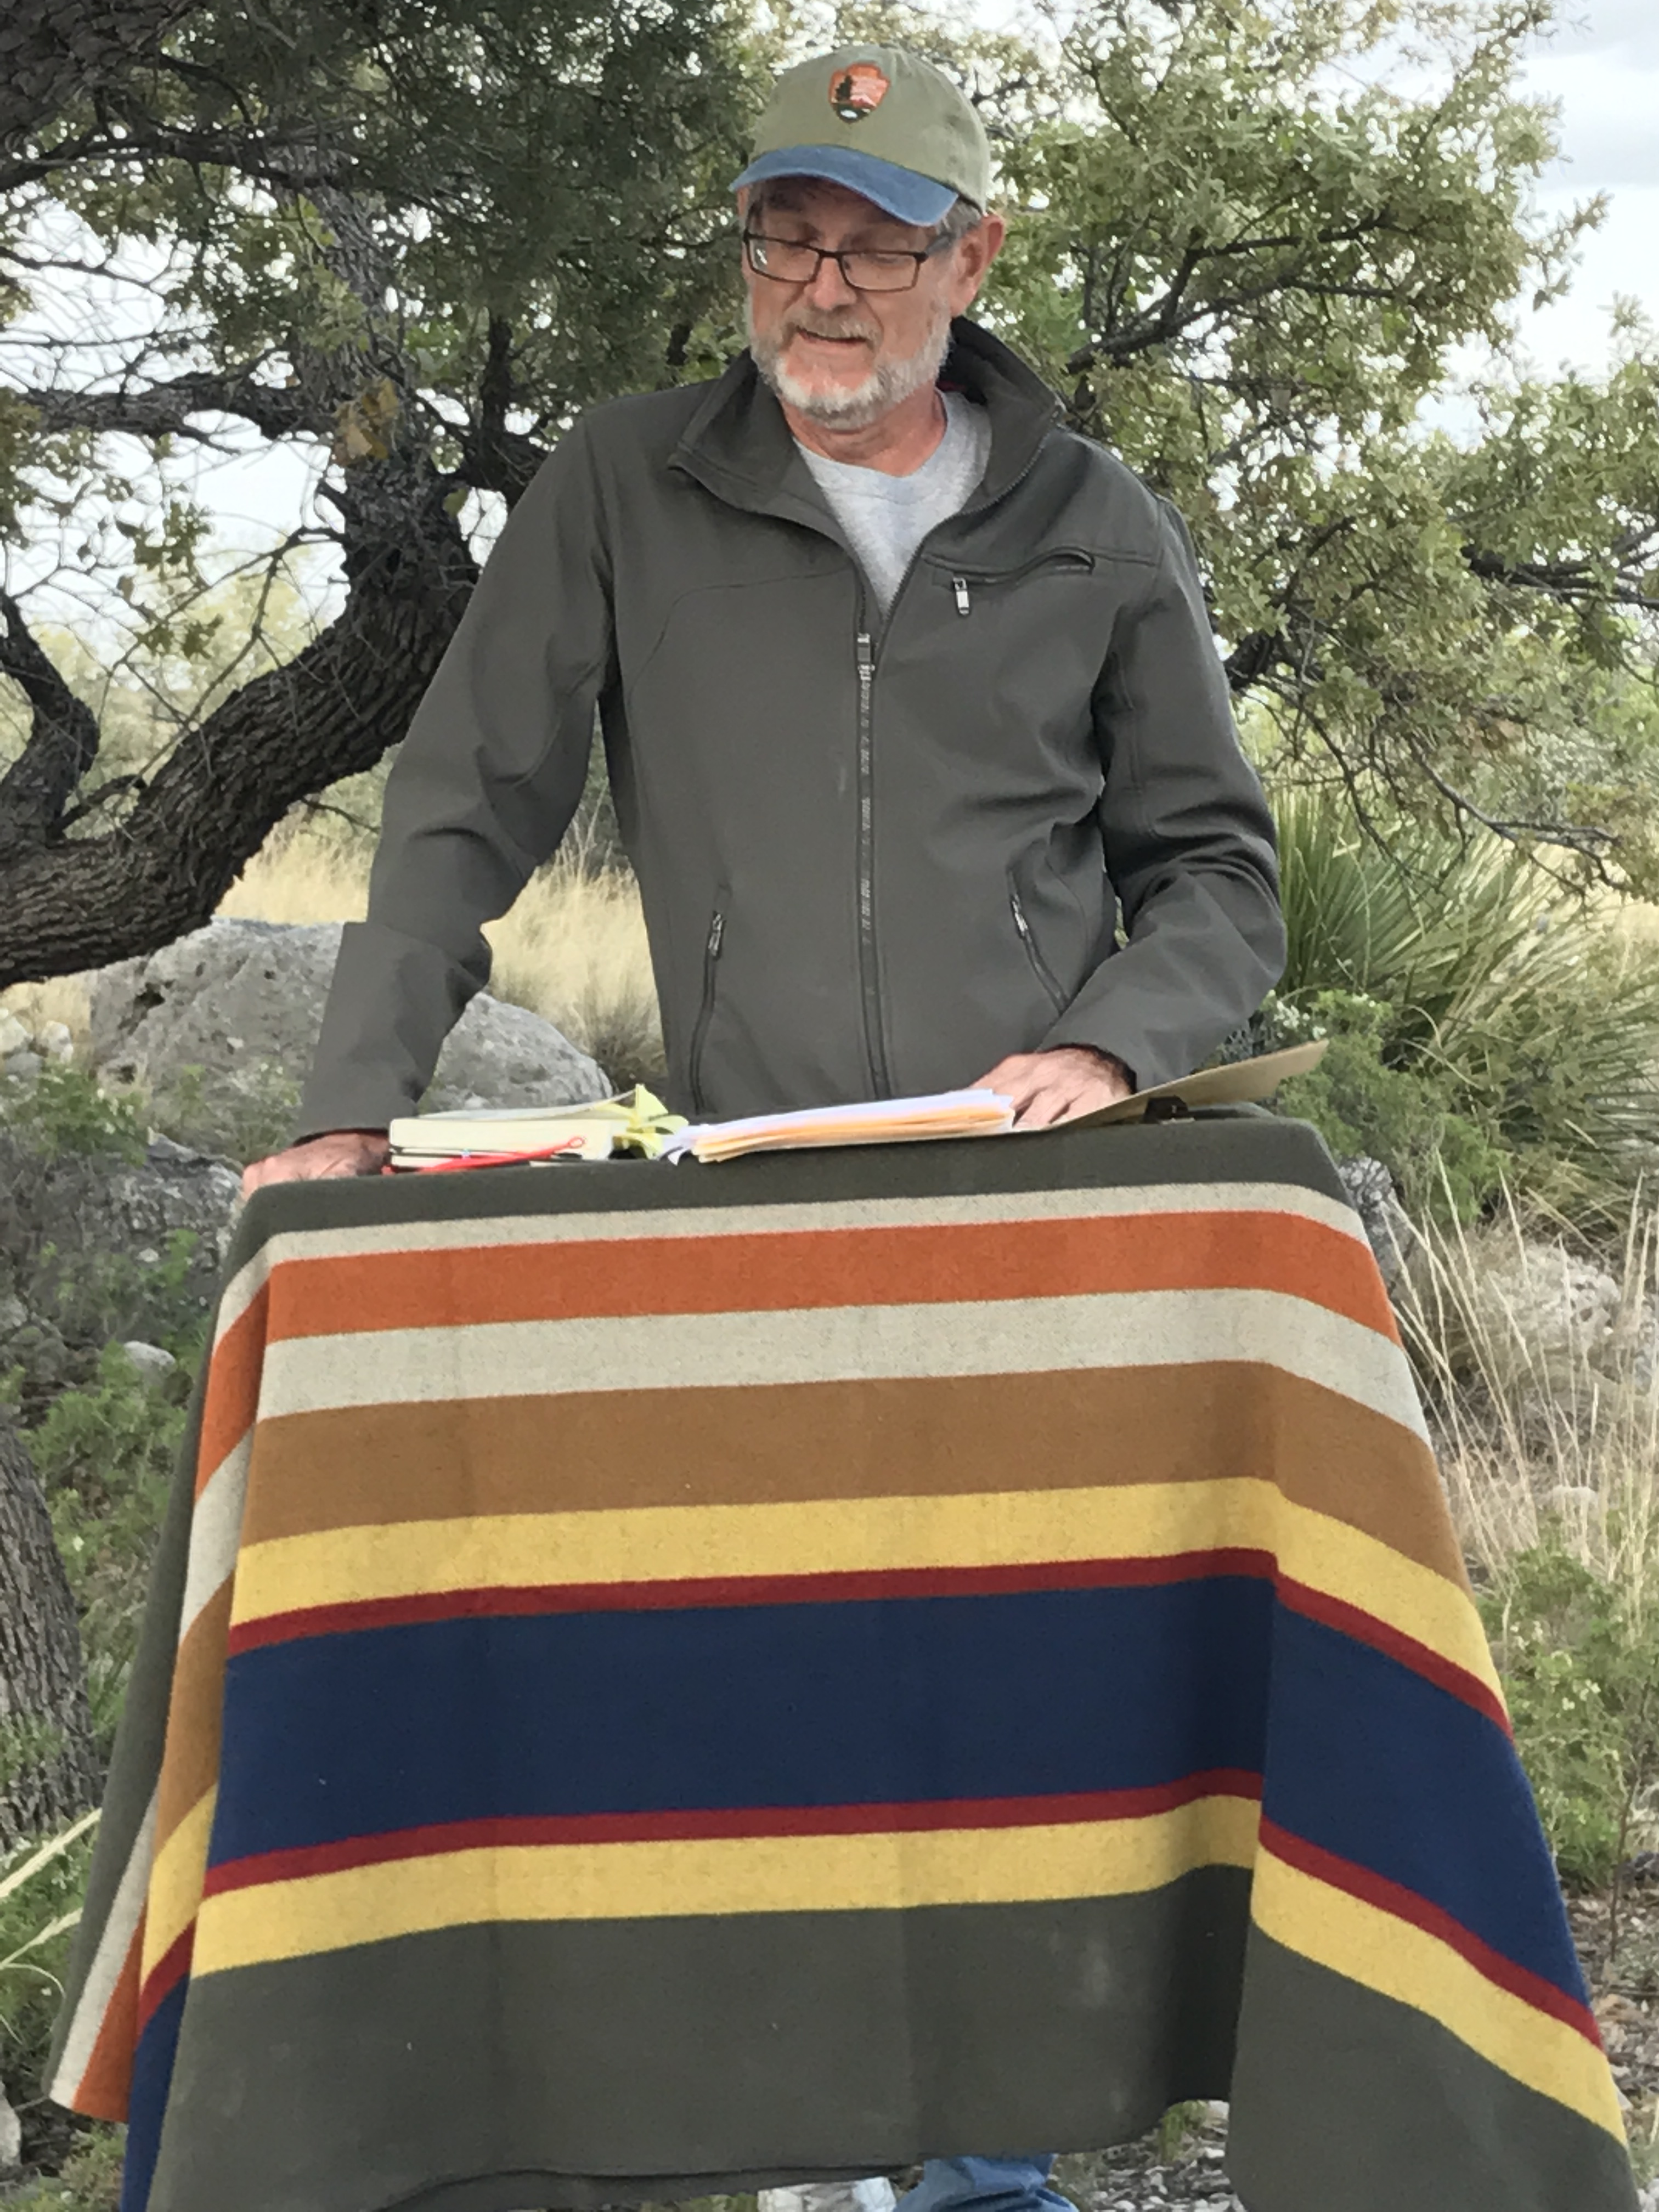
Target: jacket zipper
711	953
867	972
1072	558
1040	967
875	1048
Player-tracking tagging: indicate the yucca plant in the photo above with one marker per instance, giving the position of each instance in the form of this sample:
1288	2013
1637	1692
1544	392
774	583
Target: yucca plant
1523	1014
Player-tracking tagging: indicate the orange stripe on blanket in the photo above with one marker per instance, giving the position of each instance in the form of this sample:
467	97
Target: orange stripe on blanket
103	2089
232	1400
785	1272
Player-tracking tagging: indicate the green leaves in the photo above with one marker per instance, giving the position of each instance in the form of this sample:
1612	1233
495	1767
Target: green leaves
1482	1023
1579	1656
1251	246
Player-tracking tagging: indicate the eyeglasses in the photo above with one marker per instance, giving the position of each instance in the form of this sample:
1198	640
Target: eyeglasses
791	261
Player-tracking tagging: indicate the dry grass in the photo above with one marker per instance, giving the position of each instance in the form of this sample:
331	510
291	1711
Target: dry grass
64	998
301	878
1547	1399
572	950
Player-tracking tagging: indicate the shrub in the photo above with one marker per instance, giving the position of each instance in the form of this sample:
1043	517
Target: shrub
1442	1160
1579	1656
63	1113
1529	1019
105	1455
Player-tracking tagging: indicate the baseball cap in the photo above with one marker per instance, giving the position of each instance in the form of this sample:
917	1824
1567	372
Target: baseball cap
882	122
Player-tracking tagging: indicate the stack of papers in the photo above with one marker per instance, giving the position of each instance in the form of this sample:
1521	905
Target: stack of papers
489	1136
881	1122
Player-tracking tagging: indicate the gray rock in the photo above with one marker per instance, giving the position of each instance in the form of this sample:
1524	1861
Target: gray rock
1387	1226
22	1066
154	1364
11	2135
175	1188
14	1037
54	1041
1559	1305
220	1029
14	1314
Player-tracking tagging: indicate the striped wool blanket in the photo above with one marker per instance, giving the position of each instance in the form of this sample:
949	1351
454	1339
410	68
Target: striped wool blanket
662	1678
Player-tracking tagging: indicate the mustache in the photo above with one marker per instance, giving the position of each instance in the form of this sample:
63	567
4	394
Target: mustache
830	327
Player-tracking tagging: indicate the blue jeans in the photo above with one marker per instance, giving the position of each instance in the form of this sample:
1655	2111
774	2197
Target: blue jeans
986	2184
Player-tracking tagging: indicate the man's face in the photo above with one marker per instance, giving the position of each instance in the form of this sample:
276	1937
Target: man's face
845	358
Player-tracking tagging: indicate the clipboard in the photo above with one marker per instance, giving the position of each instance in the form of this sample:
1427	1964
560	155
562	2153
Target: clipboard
1241	1083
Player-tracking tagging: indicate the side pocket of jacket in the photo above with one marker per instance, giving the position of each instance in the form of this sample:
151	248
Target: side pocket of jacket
711	957
1040	968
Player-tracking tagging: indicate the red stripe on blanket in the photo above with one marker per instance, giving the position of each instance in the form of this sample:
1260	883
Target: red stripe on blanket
165	1976
1365	1628
848	1587
1406	1905
686	1825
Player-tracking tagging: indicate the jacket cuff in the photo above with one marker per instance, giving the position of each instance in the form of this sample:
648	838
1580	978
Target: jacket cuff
393	1001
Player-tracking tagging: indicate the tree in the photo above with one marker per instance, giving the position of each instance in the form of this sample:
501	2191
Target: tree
51	50
48	1768
1252	239
412	236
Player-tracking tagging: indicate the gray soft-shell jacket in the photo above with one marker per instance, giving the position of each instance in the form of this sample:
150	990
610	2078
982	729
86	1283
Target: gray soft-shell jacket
875	856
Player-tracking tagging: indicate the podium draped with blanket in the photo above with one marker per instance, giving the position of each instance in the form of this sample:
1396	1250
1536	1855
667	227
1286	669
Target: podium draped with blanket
659	1680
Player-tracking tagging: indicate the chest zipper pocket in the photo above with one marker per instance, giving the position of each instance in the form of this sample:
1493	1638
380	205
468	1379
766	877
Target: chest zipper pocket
711	956
1040	968
1065	560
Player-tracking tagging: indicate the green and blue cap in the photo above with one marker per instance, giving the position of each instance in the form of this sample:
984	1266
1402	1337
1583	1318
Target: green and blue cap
882	122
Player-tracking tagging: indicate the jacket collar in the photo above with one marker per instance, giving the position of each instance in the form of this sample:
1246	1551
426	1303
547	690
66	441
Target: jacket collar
739	446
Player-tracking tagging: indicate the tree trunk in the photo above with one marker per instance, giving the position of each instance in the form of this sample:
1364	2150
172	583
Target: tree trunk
48	1767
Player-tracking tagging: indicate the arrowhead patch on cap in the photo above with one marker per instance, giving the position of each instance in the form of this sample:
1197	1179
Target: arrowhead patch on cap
857	91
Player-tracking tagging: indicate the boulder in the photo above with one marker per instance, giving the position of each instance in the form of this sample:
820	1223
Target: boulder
155	1366
220	1027
1560	1305
84	1247
14	1037
175	1188
11	2136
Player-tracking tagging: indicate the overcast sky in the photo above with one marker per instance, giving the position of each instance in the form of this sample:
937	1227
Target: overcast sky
1603	66
1605	72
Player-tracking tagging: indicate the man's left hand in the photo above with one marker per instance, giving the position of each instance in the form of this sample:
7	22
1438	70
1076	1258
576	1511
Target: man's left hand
1058	1085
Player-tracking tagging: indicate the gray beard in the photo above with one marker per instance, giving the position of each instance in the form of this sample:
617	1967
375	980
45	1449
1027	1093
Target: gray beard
888	385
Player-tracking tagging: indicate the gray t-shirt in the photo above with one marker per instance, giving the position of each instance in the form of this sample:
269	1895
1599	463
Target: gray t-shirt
885	516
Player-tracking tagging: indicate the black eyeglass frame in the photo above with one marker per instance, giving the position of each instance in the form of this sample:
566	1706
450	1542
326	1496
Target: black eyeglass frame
841	256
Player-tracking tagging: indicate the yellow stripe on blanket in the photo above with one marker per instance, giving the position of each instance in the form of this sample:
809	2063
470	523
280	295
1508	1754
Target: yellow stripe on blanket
664	1879
1381	1952
349	1567
175	1882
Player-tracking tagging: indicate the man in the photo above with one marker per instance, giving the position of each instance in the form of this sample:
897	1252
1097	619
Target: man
904	691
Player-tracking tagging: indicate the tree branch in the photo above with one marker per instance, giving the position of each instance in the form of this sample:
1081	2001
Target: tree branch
62	740
166	410
208	806
53	51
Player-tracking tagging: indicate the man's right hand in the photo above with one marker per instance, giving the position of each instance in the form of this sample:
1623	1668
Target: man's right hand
336	1152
